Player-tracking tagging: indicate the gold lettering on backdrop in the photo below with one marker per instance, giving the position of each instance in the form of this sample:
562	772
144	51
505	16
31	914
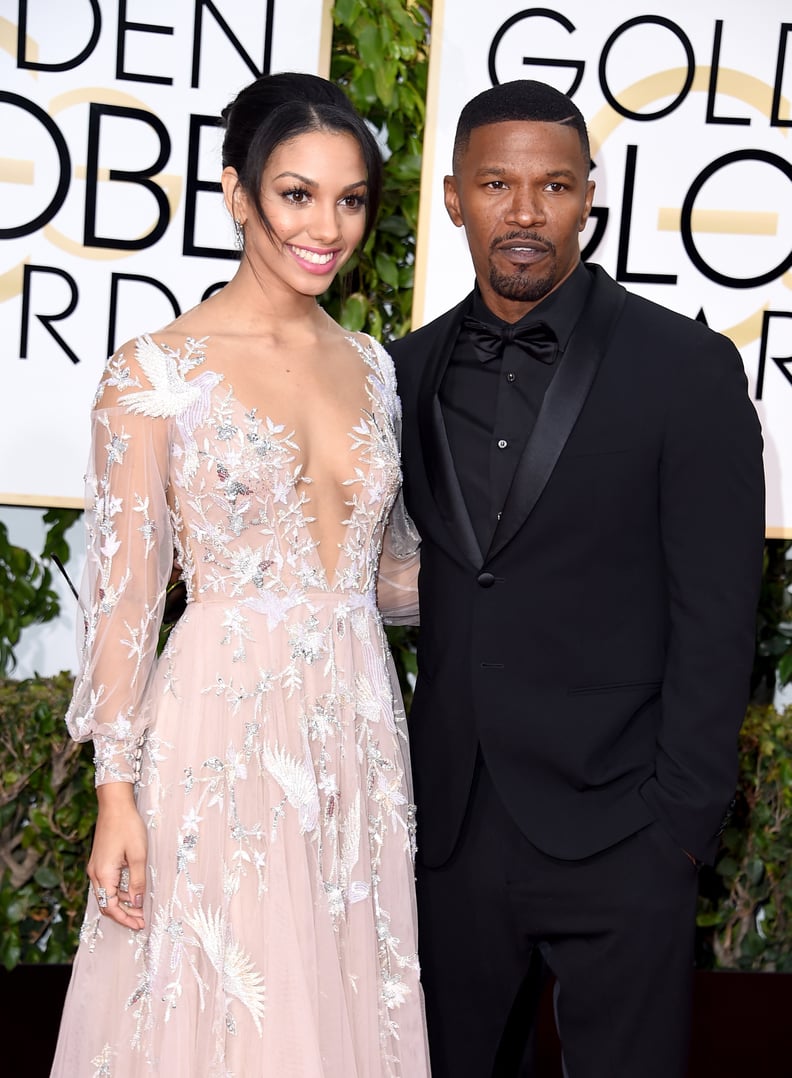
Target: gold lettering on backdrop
752	91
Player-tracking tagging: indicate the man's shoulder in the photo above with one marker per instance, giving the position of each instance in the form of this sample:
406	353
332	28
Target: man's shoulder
668	348
656	321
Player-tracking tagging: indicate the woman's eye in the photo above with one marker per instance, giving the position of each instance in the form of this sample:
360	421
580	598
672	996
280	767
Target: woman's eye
298	196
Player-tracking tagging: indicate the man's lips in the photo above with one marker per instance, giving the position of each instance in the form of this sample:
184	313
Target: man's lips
523	250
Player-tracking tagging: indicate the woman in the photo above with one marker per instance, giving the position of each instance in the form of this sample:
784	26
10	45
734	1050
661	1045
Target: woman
252	909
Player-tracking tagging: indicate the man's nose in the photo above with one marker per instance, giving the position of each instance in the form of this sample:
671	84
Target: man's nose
526	207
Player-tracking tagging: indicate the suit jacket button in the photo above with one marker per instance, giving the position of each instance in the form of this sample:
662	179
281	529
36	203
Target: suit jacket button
485	580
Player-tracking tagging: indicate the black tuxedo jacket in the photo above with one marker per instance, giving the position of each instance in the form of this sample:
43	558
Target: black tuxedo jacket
599	651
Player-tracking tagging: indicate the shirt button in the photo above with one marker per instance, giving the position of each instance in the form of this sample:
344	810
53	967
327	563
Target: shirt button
511	377
502	443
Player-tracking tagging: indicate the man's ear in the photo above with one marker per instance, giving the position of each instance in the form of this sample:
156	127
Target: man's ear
233	194
587	203
451	195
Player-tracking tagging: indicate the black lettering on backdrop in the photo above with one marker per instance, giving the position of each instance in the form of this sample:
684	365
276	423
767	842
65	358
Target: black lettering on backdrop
713	83
46	319
775	117
536	12
140	28
193	186
138	278
212	288
645	20
686	227
229	33
782	362
65	65
622	273
578	66
142	177
599	215
126	284
64	167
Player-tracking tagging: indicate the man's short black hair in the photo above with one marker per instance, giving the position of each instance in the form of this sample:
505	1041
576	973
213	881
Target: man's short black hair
523	99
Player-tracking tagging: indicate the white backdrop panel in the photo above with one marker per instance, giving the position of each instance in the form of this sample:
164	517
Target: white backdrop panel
88	91
691	126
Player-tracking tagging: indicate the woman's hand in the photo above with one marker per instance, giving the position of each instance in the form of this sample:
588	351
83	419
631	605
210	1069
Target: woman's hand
117	867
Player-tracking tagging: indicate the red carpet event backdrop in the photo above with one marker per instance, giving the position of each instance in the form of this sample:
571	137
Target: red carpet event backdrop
690	118
111	215
112	220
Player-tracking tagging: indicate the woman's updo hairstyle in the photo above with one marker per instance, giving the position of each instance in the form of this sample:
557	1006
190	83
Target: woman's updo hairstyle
276	108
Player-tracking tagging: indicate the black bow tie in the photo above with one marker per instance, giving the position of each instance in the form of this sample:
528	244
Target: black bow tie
536	339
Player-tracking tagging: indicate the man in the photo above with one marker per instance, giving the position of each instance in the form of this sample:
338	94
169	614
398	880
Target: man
584	468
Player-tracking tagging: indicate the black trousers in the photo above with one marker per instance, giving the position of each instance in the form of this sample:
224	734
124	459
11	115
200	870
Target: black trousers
616	929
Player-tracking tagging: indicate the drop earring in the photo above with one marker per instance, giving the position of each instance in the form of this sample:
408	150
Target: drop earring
239	234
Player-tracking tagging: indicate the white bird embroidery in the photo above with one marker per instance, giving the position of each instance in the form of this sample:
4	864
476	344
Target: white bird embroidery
172	395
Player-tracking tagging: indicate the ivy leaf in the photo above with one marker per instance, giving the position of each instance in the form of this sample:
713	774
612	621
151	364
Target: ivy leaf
46	877
385	80
726	867
353	312
387	269
346	11
17	909
10	950
365	89
369	44
375	323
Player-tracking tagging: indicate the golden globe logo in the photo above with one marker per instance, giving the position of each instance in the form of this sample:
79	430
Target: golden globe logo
100	175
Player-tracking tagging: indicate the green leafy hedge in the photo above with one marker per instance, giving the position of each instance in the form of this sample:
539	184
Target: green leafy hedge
745	909
48	809
47	813
380	59
26	596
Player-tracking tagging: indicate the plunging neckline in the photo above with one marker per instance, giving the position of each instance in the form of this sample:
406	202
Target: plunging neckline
302	499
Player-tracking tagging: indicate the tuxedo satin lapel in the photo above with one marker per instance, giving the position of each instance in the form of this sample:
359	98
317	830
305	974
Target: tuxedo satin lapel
438	463
561	407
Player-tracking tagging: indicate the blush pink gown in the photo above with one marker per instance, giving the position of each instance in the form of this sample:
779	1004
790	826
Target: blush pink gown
266	743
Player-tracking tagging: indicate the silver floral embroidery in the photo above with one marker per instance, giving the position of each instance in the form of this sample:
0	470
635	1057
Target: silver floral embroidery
320	737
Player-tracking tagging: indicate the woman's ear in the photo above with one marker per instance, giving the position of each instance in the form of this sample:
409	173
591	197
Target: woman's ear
233	194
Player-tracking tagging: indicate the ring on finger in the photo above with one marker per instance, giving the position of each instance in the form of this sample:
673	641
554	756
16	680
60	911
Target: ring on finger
101	898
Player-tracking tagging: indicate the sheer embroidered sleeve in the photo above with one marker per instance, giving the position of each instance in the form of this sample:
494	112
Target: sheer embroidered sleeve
397	580
130	555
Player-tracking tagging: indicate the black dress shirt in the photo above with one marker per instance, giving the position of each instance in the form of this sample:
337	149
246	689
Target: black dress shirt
489	408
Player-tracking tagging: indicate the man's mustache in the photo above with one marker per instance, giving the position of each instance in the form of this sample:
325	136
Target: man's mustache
520	235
